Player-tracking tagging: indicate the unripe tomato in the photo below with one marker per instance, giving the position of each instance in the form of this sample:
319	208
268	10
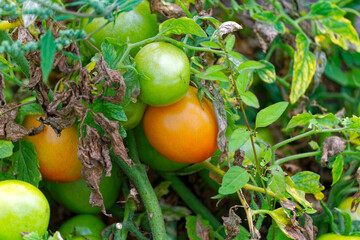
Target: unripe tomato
23	208
134	113
85	237
150	156
75	195
83	224
58	159
183	132
346	206
333	236
164	73
136	25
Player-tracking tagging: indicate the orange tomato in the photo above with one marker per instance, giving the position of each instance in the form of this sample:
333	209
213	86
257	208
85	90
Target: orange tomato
57	156
183	132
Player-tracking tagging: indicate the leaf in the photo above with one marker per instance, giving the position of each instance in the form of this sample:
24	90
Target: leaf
32	236
230	41
47	53
304	68
238	138
214	73
210	45
250	99
26	163
109	53
6	148
277	182
234	179
182	25
267	74
300	120
250	65
110	110
29	109
298	195
307	181
195	227
279	235
270	114
324	9
337	169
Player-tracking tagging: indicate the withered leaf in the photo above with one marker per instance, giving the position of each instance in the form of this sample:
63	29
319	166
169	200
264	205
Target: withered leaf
331	147
227	27
231	224
311	230
265	33
168	10
201	230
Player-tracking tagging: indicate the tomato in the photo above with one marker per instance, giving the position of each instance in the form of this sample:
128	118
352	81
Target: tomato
183	132
333	236
57	156
136	25
84	224
346	206
75	195
164	73
85	237
150	156
134	113
23	208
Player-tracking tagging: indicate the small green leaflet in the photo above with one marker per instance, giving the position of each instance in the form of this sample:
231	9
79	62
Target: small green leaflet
182	25
230	41
270	114
238	138
277	182
242	81
300	120
47	53
250	65
6	148
233	180
110	110
26	163
337	169
214	73
307	181
279	235
267	74
250	99
304	68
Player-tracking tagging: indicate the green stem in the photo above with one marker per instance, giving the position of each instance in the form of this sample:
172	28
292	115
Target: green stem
137	174
130	227
306	17
283	82
13	79
18	58
190	199
297	156
184	8
331	217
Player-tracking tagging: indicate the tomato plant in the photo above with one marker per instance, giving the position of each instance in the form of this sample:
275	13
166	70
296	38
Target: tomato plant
164	73
83	224
75	195
58	161
134	113
175	130
23	209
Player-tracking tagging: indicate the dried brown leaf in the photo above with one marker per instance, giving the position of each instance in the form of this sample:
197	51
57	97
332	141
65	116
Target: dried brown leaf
232	223
227	27
331	147
201	230
168	10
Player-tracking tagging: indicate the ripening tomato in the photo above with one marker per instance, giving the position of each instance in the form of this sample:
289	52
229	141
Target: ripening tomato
134	113
23	208
183	132
346	206
333	236
83	224
164	73
57	156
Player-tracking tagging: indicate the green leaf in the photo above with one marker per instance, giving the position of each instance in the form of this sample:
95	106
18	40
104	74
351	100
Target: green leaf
250	65
26	163
210	45
29	109
307	181
297	194
300	120
270	114
182	25
250	99
265	16
230	41
267	74
304	68
277	182
110	110
32	236
337	169
6	148
234	179
325	9
242	81
214	73
47	53
279	235
109	53
191	226
238	138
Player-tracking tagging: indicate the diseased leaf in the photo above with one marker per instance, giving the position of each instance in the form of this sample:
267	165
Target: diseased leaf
233	180
47	53
182	25
337	169
267	73
270	114
300	120
307	181
298	195
277	182
237	139
250	65
250	99
325	9
197	228
304	68
6	148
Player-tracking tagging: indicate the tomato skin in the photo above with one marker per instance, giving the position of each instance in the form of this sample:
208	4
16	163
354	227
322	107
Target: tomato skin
183	132
150	156
84	224
137	25
75	195
164	73
23	208
346	206
333	236
58	159
134	113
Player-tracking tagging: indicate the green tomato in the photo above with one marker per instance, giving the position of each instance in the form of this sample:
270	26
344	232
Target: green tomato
134	113
136	25
75	195
23	208
150	156
86	237
84	224
333	236
346	206
164	73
